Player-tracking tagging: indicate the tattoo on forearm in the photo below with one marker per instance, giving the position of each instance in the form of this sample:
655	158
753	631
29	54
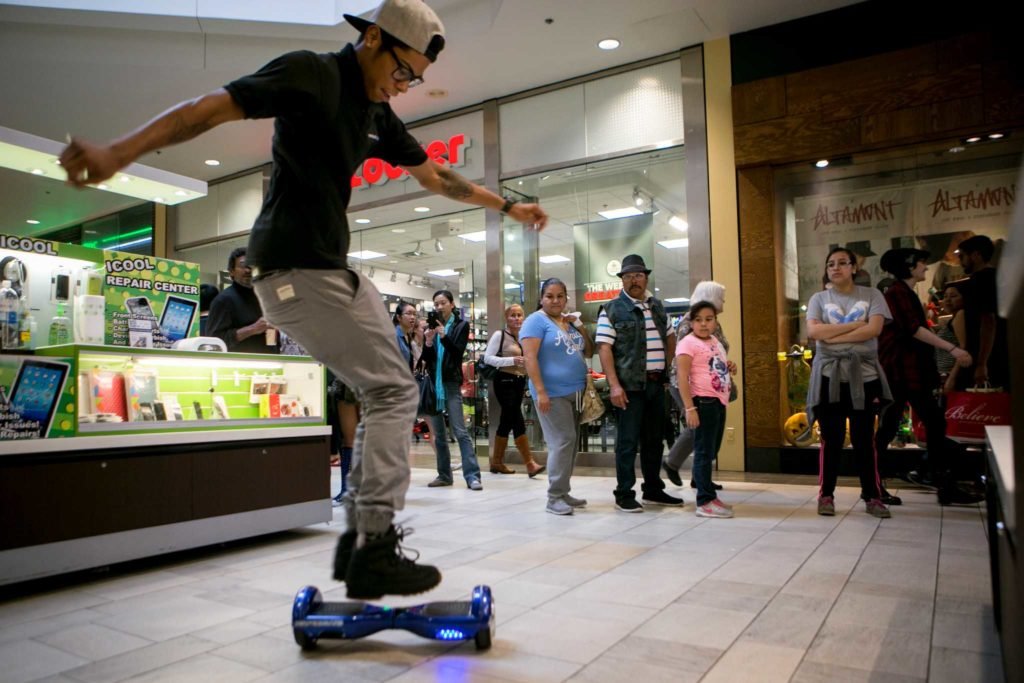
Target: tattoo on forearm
182	131
453	185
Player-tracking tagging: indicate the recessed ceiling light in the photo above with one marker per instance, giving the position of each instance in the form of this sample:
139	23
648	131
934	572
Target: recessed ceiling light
608	44
676	300
447	272
365	254
511	285
362	221
675	244
421	209
679	224
821	163
398	230
37	171
475	236
212	162
32	221
973	138
620	213
994	136
554	258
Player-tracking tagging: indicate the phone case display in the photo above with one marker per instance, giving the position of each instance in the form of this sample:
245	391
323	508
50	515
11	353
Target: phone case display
63	293
37	397
155	389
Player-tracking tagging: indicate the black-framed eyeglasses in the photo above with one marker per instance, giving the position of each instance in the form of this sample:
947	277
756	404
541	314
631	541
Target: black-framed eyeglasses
404	72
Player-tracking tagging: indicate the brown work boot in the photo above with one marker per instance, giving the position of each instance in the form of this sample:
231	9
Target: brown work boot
498	465
533	468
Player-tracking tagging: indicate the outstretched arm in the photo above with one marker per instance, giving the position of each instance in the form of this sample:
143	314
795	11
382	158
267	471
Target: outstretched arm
447	183
87	163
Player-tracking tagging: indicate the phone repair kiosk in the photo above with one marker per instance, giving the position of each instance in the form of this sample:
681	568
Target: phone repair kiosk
113	446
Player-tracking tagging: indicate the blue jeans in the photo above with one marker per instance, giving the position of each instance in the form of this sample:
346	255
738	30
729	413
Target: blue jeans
640	426
707	439
453	406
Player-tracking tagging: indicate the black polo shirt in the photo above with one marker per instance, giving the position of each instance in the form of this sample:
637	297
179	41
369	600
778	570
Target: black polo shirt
325	127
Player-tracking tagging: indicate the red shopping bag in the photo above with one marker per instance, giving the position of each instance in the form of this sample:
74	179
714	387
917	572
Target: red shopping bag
969	412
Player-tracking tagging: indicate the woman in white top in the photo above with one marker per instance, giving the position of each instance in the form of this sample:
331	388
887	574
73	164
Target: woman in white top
505	353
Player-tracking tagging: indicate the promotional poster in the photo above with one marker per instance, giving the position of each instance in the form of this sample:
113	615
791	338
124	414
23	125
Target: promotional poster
37	398
149	302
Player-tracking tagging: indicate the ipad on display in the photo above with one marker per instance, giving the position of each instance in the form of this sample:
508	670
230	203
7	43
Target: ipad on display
176	320
37	390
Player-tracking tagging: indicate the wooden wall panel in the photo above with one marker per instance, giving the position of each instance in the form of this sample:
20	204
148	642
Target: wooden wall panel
806	89
906	92
759	101
759	305
802	137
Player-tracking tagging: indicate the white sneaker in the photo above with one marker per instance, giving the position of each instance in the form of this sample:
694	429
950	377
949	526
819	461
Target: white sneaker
714	509
557	506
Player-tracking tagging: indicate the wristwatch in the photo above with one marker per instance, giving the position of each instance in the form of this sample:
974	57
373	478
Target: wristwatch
507	206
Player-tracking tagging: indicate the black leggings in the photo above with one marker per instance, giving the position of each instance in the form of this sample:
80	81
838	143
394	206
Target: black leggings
832	419
509	391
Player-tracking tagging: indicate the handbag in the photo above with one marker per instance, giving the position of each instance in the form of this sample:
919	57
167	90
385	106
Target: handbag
591	405
486	371
969	412
428	395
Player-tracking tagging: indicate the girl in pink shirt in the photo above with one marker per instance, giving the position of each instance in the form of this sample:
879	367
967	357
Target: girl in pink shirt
705	375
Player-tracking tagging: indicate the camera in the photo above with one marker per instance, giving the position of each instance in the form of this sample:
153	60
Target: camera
432	320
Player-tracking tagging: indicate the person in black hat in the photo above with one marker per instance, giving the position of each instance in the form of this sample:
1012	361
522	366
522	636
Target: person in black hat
331	113
906	352
634	343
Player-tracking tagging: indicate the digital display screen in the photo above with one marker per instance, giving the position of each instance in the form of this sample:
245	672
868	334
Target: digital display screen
177	318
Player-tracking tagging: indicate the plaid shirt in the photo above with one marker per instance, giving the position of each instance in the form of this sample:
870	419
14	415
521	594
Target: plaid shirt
908	363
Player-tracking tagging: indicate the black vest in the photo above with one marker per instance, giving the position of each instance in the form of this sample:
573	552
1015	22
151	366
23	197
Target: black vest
630	347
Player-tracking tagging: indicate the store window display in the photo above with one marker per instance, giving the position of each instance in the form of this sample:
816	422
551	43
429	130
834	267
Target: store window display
932	197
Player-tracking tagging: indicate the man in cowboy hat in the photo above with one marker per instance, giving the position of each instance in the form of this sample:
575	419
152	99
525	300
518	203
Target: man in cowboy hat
332	112
634	343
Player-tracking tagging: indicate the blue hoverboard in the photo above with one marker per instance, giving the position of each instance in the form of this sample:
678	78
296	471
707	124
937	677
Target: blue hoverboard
313	619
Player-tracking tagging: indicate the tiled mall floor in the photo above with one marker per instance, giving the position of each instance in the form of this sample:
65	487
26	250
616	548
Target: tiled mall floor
776	594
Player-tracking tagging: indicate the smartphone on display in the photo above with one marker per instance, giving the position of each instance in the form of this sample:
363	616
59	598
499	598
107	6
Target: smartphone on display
139	307
159	410
37	390
176	320
60	286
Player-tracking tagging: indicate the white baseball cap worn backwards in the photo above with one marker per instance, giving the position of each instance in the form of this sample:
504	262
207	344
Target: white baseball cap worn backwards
410	21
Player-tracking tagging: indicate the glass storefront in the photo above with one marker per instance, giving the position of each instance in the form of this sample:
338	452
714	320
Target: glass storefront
929	197
600	212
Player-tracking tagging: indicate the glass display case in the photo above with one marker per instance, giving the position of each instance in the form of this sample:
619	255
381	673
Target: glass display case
122	391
